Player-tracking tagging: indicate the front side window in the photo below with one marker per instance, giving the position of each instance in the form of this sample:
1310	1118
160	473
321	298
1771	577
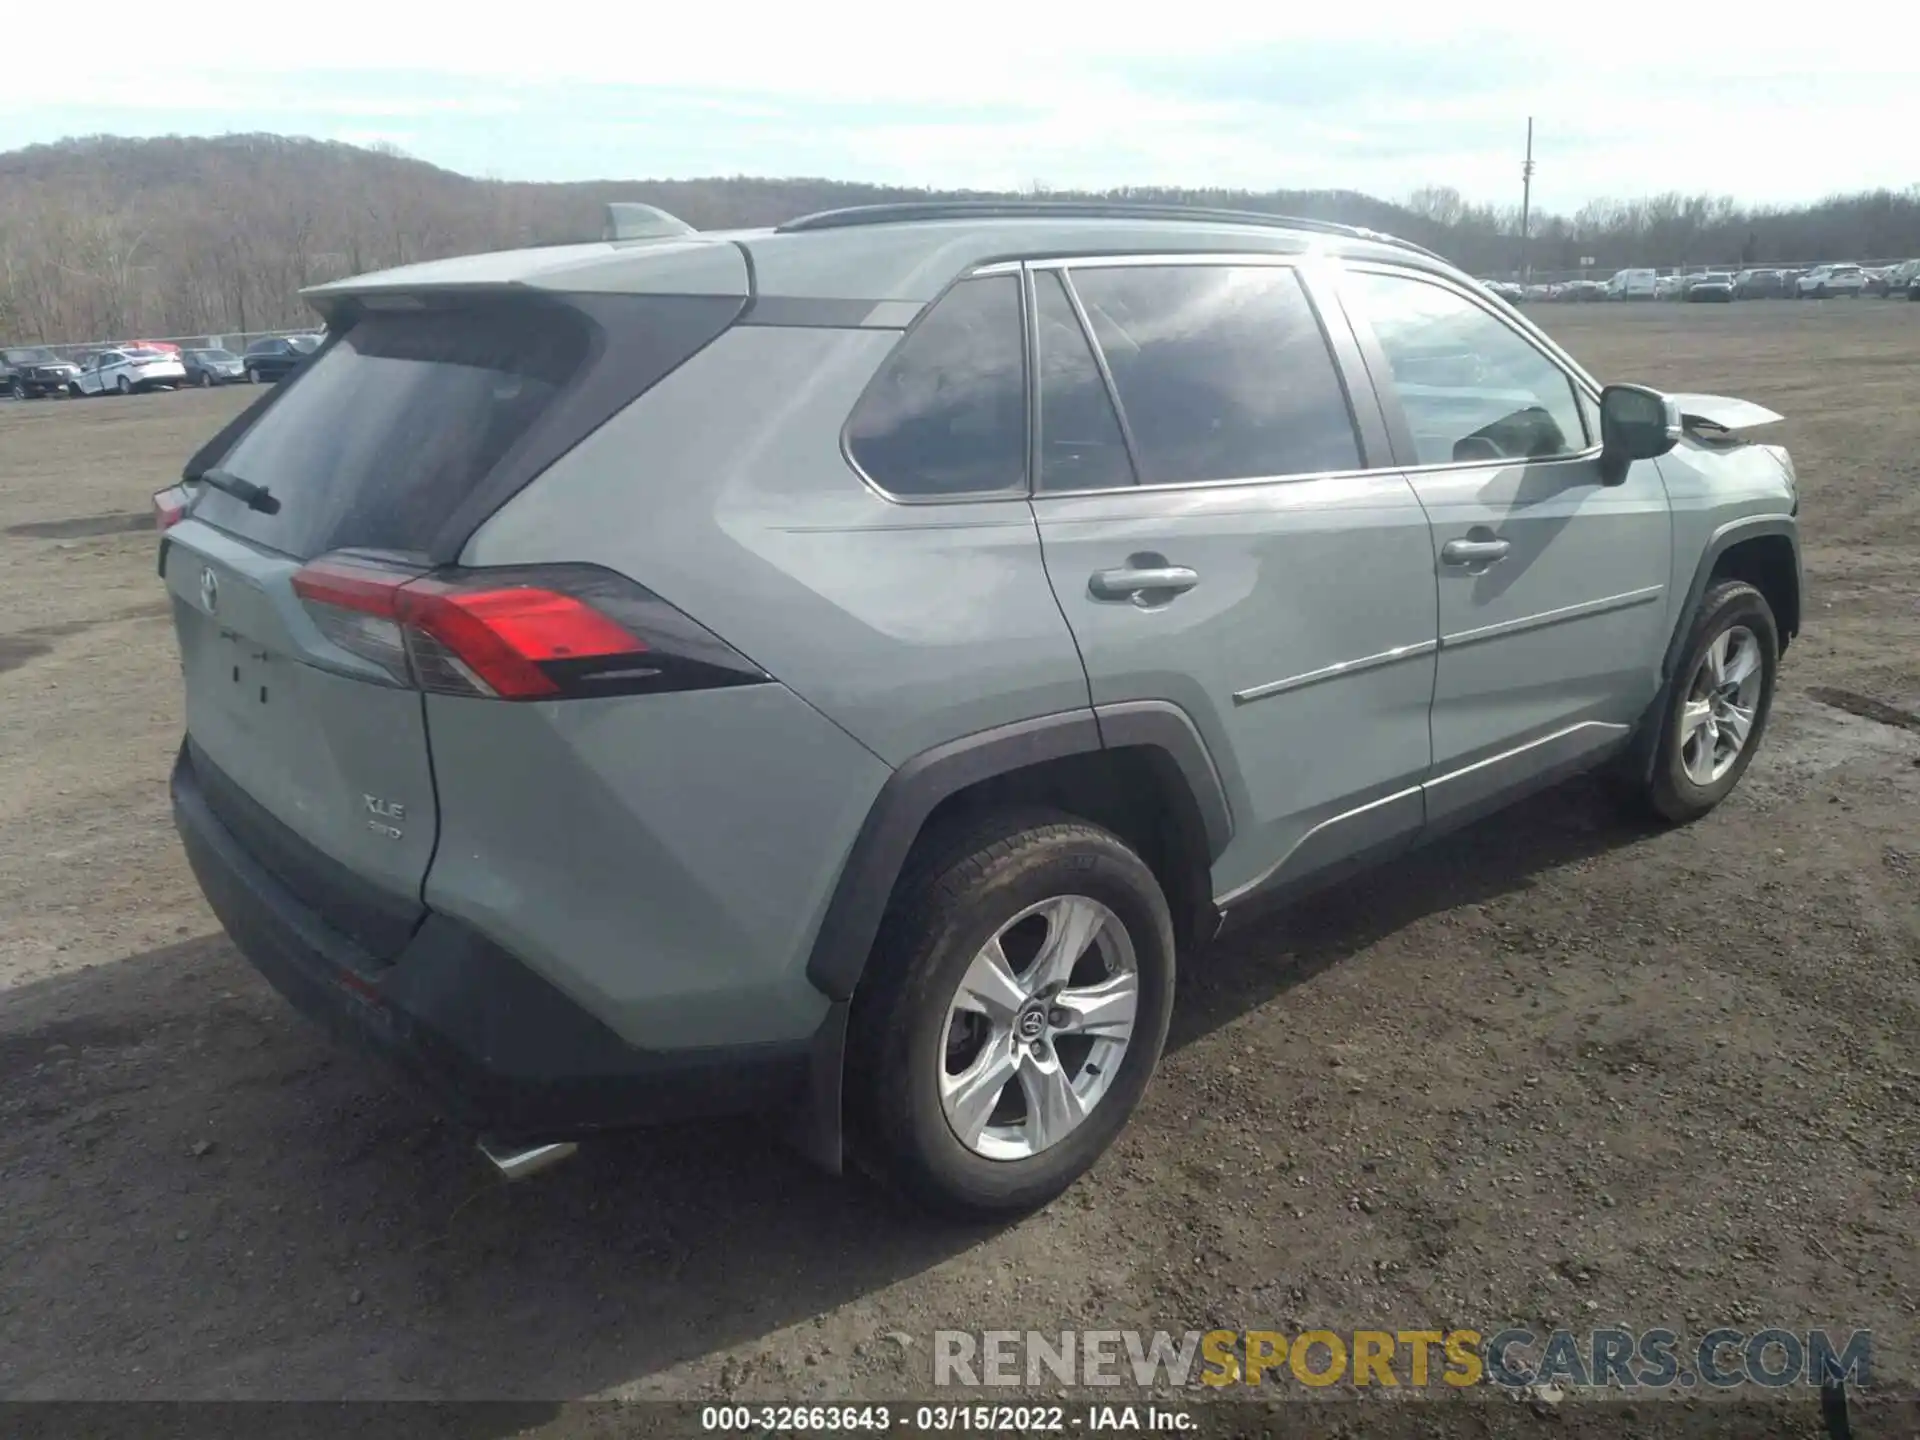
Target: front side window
1221	370
946	415
1471	386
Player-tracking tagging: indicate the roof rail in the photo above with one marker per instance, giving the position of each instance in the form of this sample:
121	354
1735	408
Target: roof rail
911	211
630	220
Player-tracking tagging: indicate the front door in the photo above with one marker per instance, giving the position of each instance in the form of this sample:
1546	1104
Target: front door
1554	609
1217	541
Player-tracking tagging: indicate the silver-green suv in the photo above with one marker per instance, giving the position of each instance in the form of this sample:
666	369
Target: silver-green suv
837	669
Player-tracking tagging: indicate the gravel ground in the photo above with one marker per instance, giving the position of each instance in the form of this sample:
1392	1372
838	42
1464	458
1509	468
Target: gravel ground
1561	1068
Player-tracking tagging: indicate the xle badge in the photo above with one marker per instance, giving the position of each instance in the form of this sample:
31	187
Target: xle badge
384	817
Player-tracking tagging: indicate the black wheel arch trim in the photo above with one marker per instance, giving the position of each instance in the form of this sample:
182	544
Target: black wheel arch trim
1645	745
917	788
1735	532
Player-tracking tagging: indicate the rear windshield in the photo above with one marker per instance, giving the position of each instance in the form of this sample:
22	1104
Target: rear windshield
382	436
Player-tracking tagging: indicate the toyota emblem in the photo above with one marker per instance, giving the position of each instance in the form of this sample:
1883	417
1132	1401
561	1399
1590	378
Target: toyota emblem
209	590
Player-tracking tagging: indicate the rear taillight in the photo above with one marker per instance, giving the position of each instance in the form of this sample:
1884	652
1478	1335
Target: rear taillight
170	506
545	632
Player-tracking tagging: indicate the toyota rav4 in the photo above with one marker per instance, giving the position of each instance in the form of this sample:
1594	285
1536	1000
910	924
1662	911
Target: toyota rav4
846	669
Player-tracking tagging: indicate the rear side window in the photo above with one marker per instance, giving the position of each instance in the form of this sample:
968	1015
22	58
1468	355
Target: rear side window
1472	387
383	435
1222	371
1081	447
947	413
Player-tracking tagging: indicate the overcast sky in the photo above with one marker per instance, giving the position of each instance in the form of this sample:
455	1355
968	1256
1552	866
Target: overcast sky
1628	100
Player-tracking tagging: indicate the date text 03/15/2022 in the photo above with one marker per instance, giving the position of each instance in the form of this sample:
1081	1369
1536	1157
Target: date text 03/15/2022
948	1418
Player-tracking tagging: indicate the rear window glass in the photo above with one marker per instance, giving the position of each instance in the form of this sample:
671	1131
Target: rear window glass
1081	447
1222	371
383	435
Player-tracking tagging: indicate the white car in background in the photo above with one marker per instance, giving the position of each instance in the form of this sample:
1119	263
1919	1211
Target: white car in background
125	371
1825	280
1633	285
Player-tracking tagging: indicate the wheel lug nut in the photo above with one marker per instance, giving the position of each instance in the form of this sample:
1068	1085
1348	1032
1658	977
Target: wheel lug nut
1057	1017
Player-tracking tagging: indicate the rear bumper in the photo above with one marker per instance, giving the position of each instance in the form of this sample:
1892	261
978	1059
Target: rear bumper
501	1050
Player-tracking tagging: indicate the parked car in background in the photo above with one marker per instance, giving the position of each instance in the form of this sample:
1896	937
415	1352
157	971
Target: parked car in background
1506	290
1894	280
165	347
1668	287
212	367
445	728
1759	285
1824	280
125	371
1913	282
32	371
1633	285
1584	291
1715	286
275	356
1537	293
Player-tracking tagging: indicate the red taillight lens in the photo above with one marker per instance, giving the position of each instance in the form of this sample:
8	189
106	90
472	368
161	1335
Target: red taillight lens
170	506
534	633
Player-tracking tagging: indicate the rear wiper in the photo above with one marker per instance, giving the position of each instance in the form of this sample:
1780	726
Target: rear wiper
254	497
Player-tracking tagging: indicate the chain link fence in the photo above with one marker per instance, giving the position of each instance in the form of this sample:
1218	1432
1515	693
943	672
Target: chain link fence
234	340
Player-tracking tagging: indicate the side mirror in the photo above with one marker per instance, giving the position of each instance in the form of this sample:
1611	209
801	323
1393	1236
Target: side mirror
1635	424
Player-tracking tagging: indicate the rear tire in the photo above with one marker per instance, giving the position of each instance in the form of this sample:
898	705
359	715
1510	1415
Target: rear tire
1017	904
1712	694
205	381
125	386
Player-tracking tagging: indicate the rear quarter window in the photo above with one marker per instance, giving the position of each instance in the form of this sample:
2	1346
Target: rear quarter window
946	414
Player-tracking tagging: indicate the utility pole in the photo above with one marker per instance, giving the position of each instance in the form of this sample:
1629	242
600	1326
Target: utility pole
1526	205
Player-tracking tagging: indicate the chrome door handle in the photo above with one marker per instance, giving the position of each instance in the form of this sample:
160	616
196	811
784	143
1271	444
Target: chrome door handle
1473	552
1143	585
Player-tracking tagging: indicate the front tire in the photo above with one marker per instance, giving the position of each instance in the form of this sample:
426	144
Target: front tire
1716	710
125	386
205	381
1013	1011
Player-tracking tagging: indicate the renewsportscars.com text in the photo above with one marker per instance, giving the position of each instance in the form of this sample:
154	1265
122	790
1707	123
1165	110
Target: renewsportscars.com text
1654	1359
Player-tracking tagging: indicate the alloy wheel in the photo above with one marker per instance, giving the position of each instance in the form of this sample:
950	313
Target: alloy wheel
1722	701
1038	1027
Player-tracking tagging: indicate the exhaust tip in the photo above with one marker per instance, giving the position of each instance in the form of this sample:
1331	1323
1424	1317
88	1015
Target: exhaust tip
519	1164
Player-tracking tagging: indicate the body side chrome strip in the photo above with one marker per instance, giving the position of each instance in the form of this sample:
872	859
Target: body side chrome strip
1240	892
1335	671
1584	610
1466	770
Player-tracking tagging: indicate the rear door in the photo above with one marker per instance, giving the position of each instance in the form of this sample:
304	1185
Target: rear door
1553	596
315	754
1217	540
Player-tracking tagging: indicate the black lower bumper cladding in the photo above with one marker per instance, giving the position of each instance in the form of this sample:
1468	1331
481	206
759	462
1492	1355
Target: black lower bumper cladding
502	1050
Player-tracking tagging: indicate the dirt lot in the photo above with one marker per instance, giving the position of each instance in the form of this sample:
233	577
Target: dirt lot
1562	1068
